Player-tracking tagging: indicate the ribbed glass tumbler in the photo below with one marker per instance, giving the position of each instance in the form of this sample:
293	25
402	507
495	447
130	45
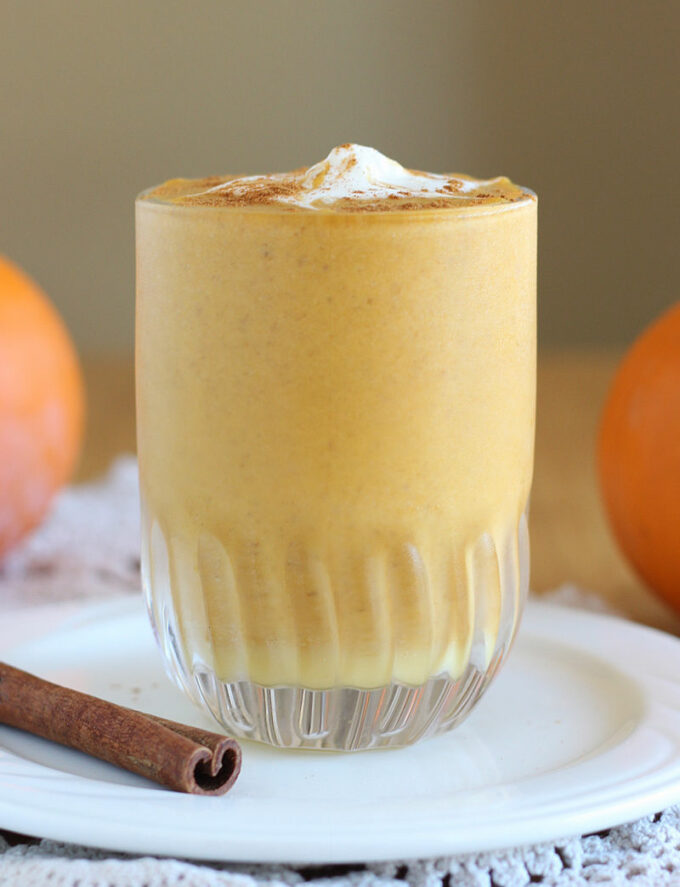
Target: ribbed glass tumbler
335	429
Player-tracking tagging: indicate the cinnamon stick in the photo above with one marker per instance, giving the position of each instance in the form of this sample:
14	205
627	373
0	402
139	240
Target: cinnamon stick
178	756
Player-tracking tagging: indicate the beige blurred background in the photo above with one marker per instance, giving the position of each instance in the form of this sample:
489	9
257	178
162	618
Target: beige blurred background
581	100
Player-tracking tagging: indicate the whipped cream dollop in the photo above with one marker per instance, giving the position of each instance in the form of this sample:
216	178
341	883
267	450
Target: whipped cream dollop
351	177
361	173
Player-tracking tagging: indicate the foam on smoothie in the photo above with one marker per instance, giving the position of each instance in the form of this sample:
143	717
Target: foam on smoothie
351	178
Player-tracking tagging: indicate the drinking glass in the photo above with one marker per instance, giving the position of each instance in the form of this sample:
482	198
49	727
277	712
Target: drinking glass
335	427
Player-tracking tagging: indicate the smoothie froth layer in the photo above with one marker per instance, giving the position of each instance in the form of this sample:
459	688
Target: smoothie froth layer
353	178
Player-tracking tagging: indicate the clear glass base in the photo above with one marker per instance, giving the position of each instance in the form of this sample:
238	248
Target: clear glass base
339	719
346	718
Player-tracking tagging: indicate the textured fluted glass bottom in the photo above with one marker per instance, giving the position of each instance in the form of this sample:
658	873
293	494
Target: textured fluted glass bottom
343	718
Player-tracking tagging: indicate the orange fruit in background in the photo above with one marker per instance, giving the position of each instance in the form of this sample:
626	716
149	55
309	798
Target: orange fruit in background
638	456
41	404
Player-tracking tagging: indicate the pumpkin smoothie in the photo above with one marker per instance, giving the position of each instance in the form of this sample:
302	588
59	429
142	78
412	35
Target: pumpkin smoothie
336	371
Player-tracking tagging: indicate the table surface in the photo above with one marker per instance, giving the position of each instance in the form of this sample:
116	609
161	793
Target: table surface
570	539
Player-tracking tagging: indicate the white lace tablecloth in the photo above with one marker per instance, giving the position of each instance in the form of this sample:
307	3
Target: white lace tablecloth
89	547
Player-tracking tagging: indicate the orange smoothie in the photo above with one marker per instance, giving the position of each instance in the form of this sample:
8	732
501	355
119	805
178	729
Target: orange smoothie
336	386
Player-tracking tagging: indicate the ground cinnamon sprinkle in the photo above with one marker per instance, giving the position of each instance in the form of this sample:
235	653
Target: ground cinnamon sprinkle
280	190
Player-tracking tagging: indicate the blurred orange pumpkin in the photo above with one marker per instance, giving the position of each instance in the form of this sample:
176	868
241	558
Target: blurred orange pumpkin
639	456
41	404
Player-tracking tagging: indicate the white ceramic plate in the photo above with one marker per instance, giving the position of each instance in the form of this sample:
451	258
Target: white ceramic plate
581	731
